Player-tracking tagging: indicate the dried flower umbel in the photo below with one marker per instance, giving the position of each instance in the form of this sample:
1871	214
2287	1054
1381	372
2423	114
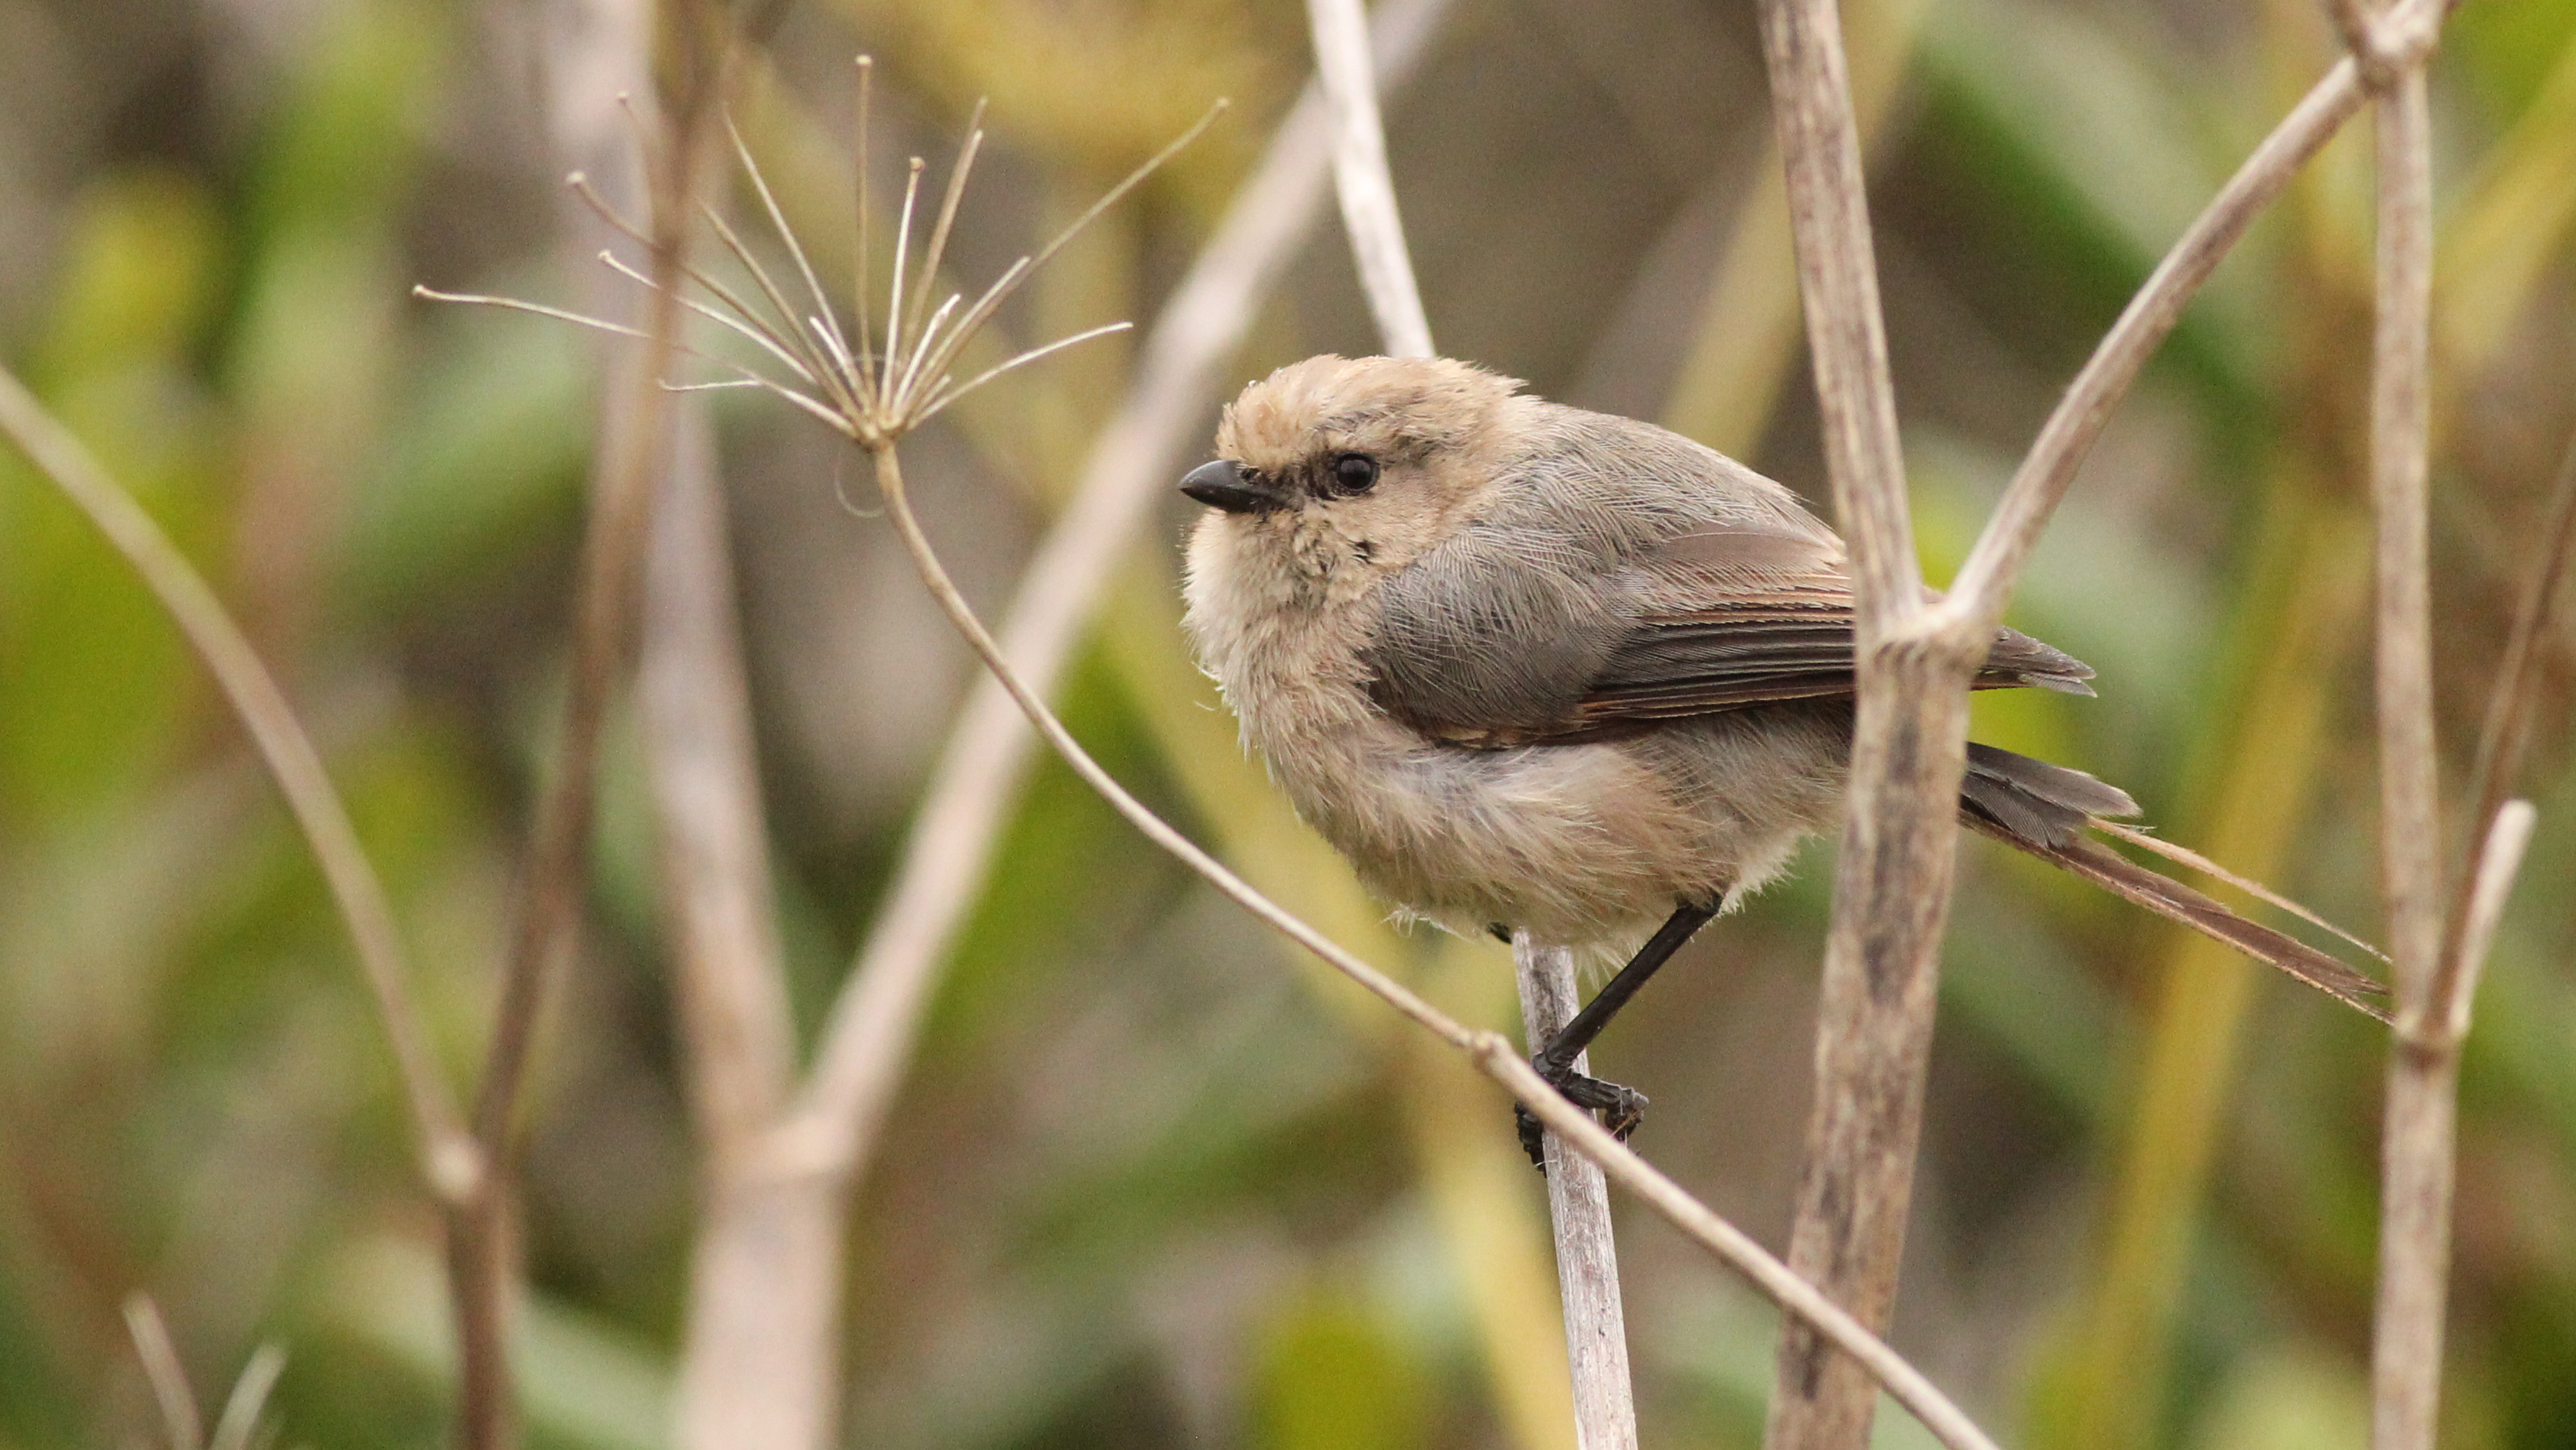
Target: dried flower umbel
872	387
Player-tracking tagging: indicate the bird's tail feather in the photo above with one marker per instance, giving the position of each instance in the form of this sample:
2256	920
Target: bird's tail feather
2043	809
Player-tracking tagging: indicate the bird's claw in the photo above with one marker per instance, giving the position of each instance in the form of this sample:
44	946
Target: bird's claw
1621	1108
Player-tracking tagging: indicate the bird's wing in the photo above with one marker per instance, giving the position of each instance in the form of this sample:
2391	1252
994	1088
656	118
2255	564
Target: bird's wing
1724	618
1492	638
1623	575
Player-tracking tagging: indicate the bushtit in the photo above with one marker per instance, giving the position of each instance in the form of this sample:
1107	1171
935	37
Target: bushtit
1533	667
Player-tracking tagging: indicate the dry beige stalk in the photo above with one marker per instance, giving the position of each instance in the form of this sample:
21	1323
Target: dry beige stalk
1578	1208
759	1362
1892	888
2420	1123
450	1162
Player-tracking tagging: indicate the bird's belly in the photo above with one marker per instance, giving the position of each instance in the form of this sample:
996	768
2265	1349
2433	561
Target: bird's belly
1580	844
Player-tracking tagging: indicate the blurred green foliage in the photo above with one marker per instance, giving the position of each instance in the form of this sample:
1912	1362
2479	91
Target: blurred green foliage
1146	1186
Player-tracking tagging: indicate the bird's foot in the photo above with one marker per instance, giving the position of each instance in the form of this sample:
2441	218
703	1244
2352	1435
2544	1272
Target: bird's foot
1621	1108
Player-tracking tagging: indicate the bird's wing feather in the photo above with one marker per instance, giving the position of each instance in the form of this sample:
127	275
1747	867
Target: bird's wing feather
1625	575
1731	617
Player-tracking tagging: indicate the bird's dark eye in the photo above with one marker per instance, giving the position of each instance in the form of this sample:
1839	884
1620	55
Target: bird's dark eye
1353	473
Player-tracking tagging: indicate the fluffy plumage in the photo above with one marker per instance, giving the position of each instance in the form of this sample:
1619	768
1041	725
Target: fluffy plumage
1563	671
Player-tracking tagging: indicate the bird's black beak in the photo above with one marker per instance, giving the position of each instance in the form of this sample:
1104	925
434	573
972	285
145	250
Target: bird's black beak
1224	484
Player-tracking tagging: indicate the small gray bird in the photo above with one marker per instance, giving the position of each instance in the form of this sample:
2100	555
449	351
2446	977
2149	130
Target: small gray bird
1533	667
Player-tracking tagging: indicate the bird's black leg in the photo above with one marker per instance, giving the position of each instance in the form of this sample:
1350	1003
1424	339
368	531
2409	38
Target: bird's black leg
1624	1106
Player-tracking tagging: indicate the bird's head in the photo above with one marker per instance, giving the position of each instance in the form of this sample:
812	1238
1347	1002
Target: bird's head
1345	469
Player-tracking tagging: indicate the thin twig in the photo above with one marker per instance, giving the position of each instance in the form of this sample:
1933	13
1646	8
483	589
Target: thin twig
2505	734
1985	582
889	473
2401	422
1366	188
1730	1245
550	914
239	1424
450	1162
694	704
2499	860
181	1420
2421	1127
867	1040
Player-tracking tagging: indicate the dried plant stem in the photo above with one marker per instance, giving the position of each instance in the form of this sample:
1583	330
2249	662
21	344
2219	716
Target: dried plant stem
181	1419
1994	566
2410	802
868	1039
1366	187
889	476
2420	1126
482	1245
1731	1246
450	1162
1894	880
1492	1053
1724	392
758	1366
1578	1215
182	1422
2420	1122
1892	891
1578	1201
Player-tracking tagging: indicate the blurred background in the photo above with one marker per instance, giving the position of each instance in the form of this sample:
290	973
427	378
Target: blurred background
1151	1181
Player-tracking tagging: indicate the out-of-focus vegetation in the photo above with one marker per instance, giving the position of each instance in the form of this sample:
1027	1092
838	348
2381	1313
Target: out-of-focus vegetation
1148	1184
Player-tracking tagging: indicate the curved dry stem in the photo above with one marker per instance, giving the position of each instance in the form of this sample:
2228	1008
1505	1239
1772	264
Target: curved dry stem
934	576
449	1160
1985	582
181	1420
2491	878
239	1423
1491	1052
